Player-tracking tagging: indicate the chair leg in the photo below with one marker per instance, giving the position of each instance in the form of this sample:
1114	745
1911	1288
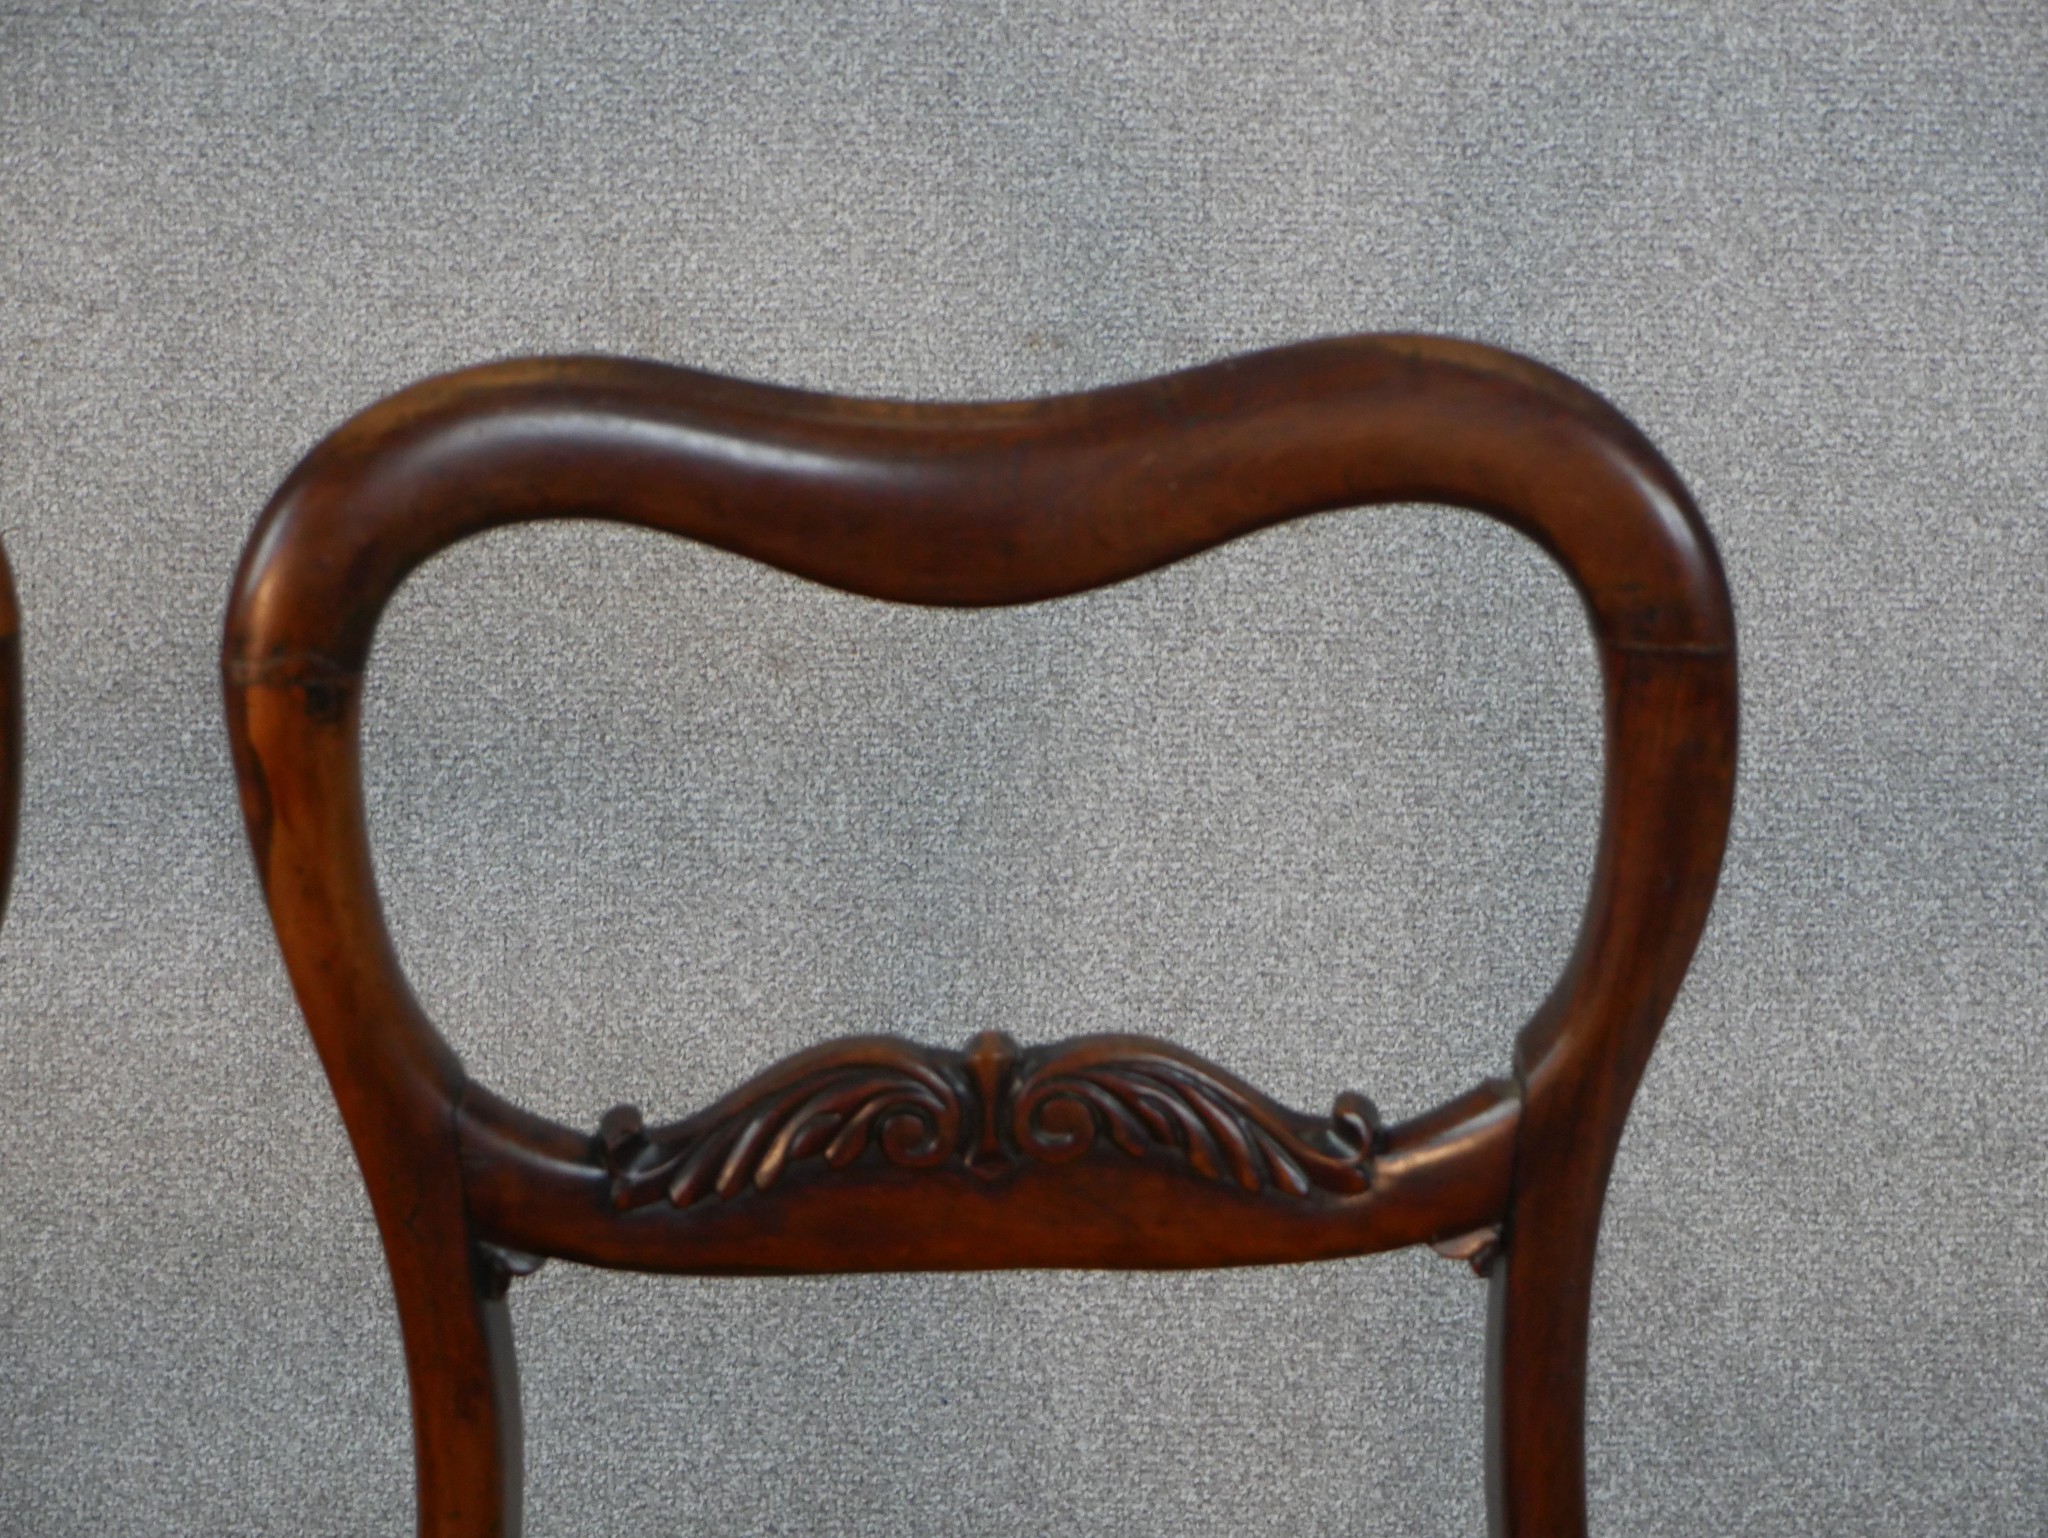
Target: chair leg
1538	1311
465	1391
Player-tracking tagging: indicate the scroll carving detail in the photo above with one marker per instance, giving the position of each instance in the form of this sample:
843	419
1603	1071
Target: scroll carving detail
990	1109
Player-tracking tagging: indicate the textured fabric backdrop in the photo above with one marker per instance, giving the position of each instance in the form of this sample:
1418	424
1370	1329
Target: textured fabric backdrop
1319	804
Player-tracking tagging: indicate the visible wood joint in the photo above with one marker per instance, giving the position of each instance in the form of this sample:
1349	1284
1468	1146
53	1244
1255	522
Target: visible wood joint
1478	1248
498	1267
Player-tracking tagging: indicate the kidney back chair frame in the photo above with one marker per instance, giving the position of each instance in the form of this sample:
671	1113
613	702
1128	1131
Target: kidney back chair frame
874	1154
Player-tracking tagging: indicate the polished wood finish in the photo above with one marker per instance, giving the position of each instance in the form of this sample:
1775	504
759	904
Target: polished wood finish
877	1154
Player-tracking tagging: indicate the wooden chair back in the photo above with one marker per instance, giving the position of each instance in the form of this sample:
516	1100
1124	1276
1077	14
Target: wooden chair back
875	1153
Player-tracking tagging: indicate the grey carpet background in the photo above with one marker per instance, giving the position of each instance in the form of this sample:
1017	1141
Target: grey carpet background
1319	805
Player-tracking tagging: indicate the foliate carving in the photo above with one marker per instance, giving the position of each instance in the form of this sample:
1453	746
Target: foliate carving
988	1110
829	1103
1169	1101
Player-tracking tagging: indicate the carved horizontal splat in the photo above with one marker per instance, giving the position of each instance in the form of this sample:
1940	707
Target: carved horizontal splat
1112	1152
990	1109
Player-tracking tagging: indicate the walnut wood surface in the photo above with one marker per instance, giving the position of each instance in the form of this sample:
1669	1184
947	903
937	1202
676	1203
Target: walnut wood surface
876	1153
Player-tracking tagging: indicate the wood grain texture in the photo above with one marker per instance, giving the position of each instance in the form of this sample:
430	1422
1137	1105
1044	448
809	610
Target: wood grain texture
874	1153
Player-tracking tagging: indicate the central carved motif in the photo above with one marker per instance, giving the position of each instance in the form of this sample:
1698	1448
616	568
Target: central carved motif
989	1109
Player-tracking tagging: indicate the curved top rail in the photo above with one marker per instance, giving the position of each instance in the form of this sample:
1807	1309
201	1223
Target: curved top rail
974	504
978	505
